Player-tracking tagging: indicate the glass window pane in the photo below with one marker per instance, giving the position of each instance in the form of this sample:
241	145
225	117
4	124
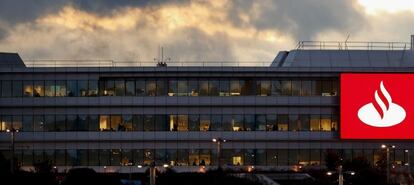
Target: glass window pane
182	121
126	122
193	157
60	88
92	88
235	89
104	123
60	122
38	123
82	123
261	122
326	123
138	123
183	88
263	88
28	88
248	87
49	123
237	123
282	122
271	122
294	122
140	87
286	88
127	157
161	87
193	121
71	122
316	88
148	156
105	157
17	122
335	88
216	123
171	157
119	88
306	89
150	88
6	123
115	157
72	88
93	157
271	157
38	89
149	123
227	123
249	124
116	123
17	88
27	123
60	157
205	122
296	87
276	88
82	88
172	88
138	156
213	87
327	88
224	88
203	84
130	88
6	88
304	122
314	123
160	123
49	88
182	157
93	123
193	87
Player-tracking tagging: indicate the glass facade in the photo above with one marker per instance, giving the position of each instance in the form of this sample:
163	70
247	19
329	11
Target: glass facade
169	87
171	122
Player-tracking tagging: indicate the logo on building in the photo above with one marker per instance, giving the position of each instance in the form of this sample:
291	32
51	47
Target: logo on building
381	112
376	106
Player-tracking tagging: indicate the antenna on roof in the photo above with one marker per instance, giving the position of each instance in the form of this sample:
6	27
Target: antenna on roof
346	40
160	61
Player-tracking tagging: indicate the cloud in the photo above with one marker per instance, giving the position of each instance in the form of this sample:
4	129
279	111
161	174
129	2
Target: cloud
189	30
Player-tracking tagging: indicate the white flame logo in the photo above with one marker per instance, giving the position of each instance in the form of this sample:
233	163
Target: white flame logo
383	112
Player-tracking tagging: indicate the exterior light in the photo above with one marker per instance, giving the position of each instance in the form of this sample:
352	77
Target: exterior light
224	140
329	173
406	151
104	167
352	173
54	167
139	166
165	165
393	146
214	140
383	146
8	130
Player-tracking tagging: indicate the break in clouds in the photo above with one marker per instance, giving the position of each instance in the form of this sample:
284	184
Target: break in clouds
188	30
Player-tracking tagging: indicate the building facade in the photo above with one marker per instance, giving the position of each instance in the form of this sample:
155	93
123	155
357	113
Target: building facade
118	119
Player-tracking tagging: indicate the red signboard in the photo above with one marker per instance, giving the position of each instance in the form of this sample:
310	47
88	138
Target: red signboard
377	106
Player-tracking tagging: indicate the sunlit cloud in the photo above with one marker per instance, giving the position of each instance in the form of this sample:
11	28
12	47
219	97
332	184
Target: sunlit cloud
391	6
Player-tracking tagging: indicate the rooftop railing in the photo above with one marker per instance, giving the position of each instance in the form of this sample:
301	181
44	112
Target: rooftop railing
112	63
335	45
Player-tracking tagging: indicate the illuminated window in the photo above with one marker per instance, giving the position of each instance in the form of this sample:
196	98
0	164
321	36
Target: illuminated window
286	88
203	85
296	88
182	86
27	88
204	122
263	88
172	88
50	88
92	88
148	156
237	123
60	88
193	157
235	89
104	123
17	122
6	123
193	87
315	123
237	158
282	122
326	123
205	158
116	123
150	88
182	123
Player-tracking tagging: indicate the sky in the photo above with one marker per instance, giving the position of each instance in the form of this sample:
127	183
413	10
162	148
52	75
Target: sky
193	30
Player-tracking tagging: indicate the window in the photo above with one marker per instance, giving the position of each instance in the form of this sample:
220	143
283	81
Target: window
82	124
138	157
105	157
17	122
182	157
326	123
27	88
261	122
17	88
172	88
160	156
148	156
127	157
138	122
271	122
193	157
213	87
60	88
193	122
109	89
182	123
104	123
327	89
6	123
149	122
334	123
150	88
286	88
306	88
93	122
38	89
60	157
71	122
60	122
130	88
93	157
83	88
249	122
49	88
237	123
316	87
227	123
38	122
161	88
249	157
160	123
216	123
27	123
282	122
235	89
248	87
115	157
119	88
193	87
276	88
92	88
204	122
263	88
271	157
140	87
203	84
314	123
296	88
304	122
205	157
72	88
224	88
171	157
6	90
49	123
127	121
116	125
182	86
294	124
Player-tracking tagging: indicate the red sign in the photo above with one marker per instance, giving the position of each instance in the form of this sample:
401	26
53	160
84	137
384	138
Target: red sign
377	106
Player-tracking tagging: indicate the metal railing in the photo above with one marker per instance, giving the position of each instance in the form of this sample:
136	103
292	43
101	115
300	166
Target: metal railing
112	63
336	45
